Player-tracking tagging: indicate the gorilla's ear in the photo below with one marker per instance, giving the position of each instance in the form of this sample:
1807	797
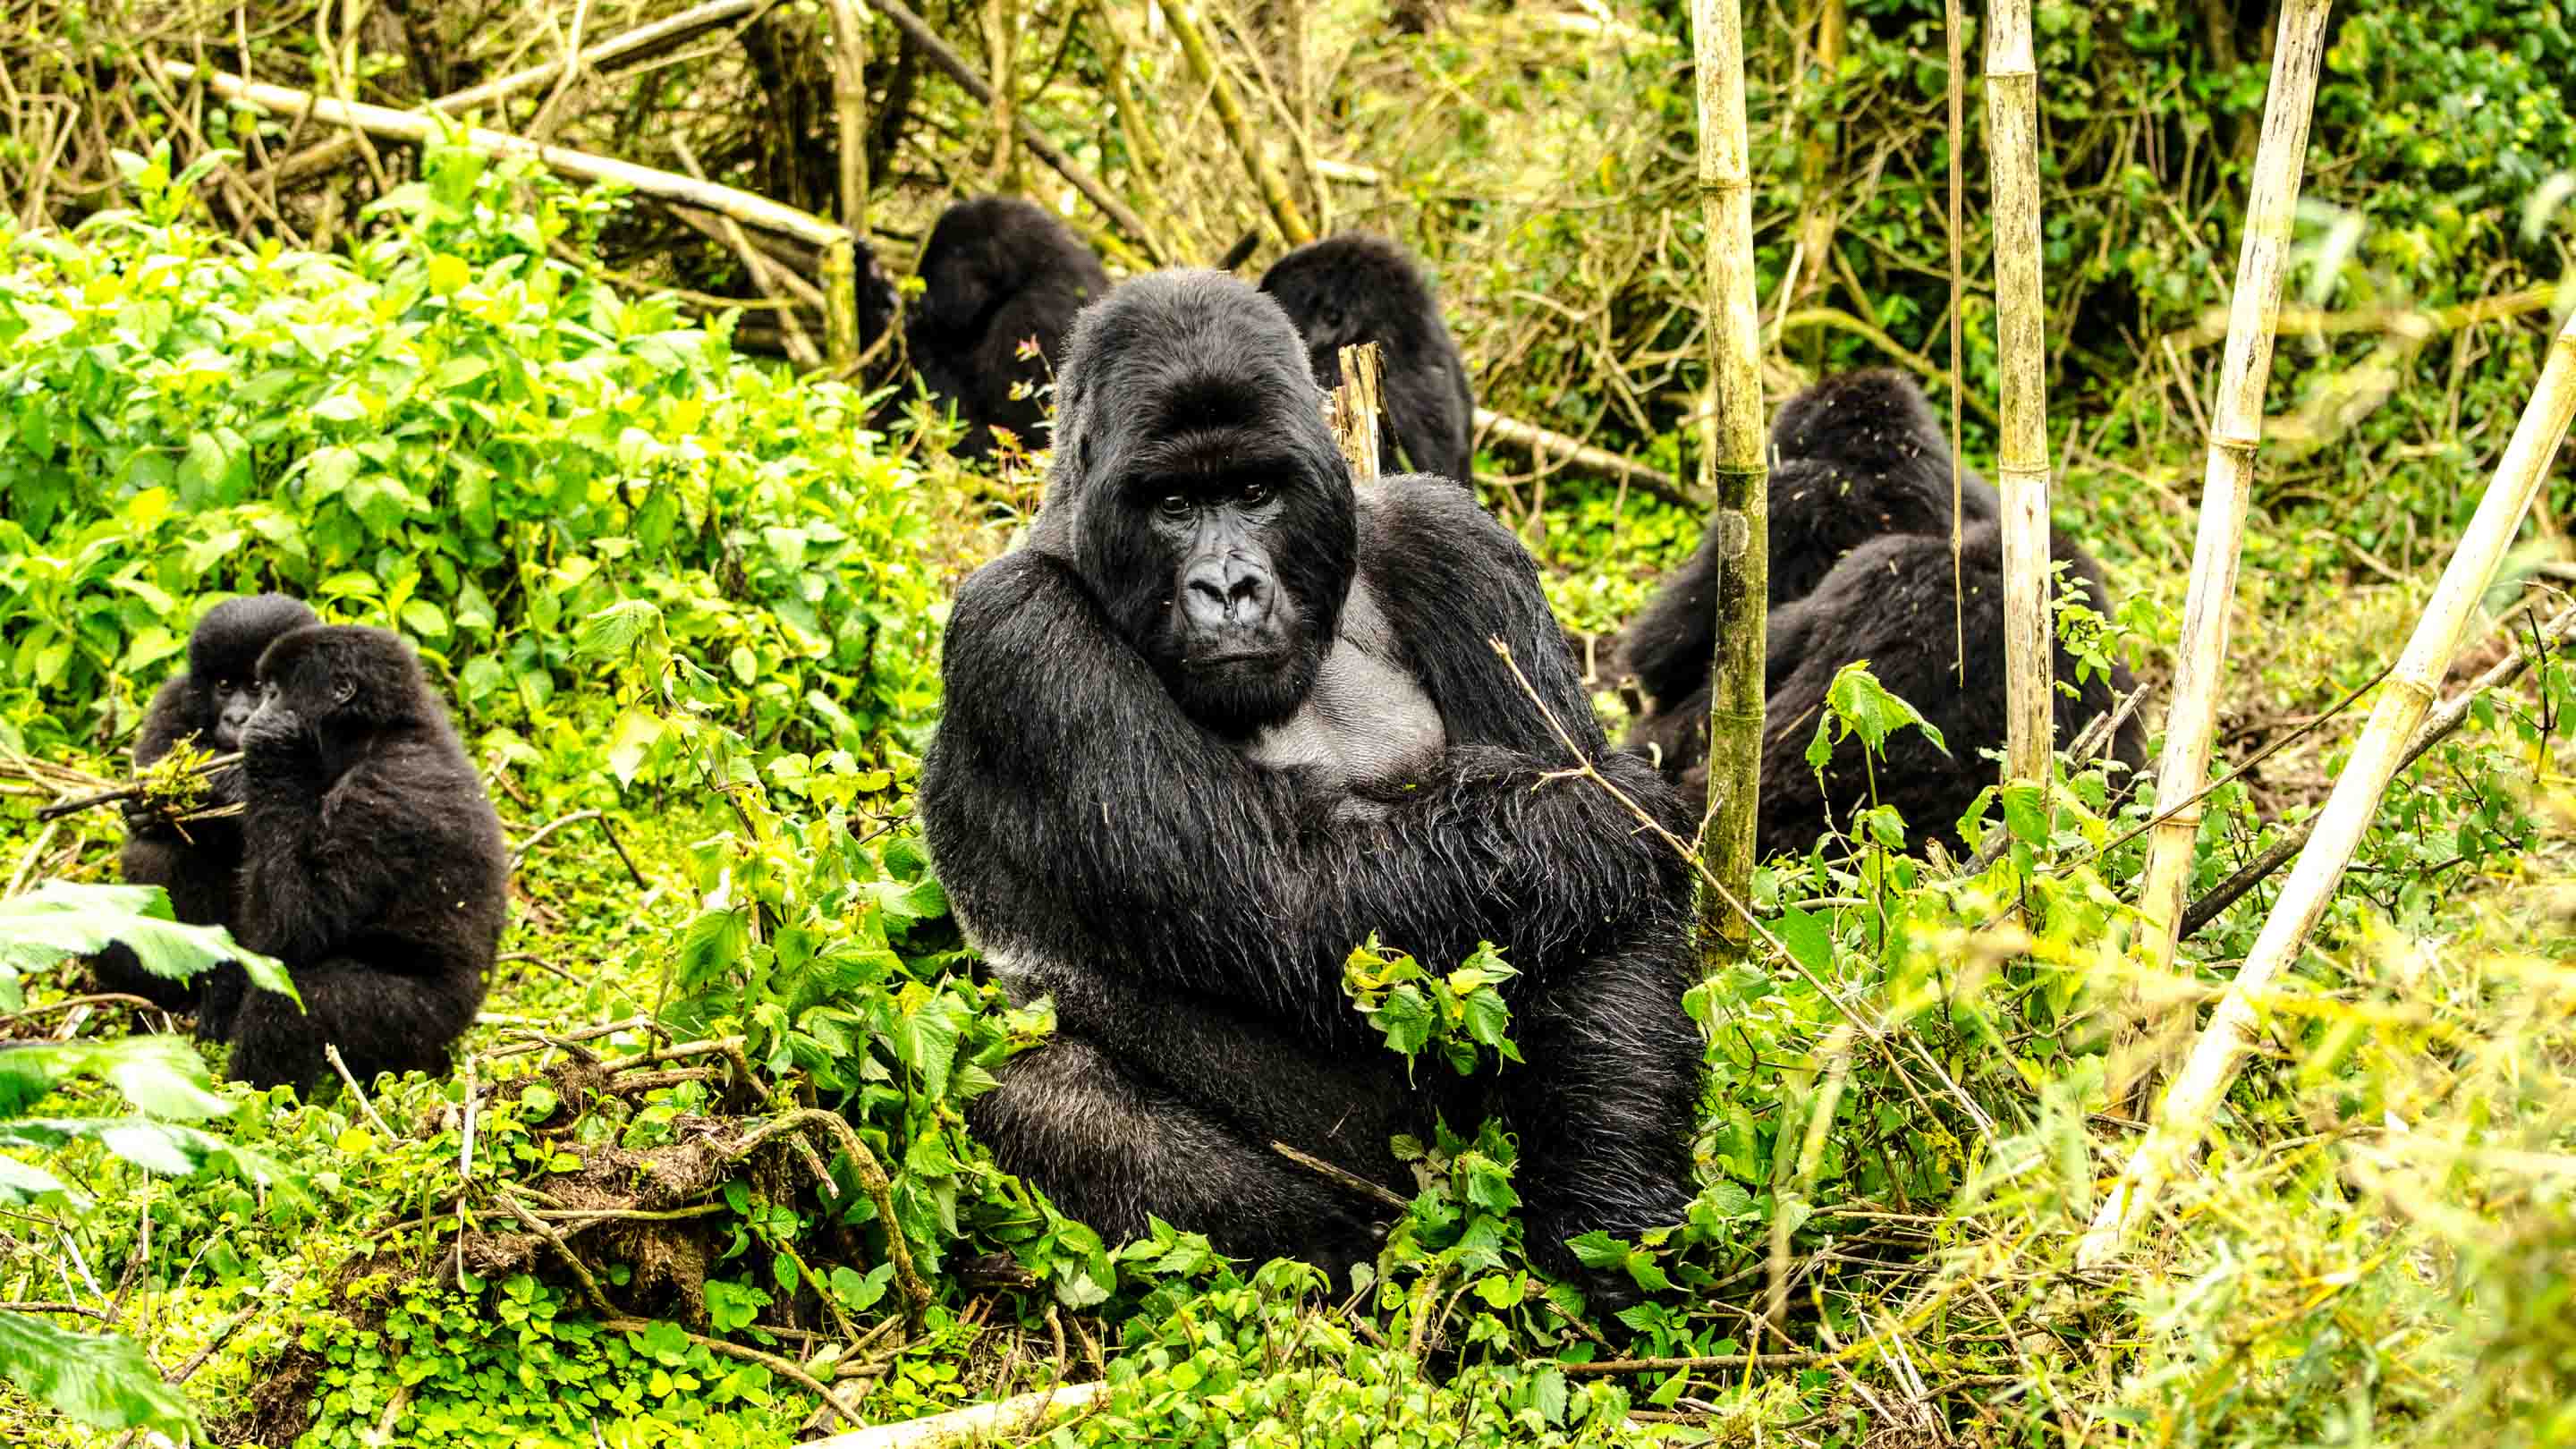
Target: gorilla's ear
343	690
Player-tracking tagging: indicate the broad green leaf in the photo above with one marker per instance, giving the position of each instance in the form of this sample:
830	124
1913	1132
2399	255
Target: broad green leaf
617	629
98	1379
59	919
1862	703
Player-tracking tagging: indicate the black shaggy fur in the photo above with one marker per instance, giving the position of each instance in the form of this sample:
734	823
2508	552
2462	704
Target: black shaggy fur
199	863
1889	602
1861	499
997	272
1346	290
1106	824
373	866
1853	457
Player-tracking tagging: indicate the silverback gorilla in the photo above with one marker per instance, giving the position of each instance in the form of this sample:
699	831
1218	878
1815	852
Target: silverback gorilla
1859	531
997	271
372	865
1346	290
1222	718
199	863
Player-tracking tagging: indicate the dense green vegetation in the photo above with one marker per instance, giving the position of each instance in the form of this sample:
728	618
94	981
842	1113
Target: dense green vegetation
704	1164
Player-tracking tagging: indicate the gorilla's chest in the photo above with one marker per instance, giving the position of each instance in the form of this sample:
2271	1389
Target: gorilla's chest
1366	722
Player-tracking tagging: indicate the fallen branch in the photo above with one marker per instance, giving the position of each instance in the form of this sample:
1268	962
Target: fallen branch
1341	1177
920	33
1703	1362
1020	1417
420	129
2444	722
637	45
136	789
1540	443
2420	322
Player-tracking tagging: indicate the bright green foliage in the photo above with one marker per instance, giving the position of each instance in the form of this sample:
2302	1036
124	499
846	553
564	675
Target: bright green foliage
1414	1008
447	432
59	919
1249	1360
103	1379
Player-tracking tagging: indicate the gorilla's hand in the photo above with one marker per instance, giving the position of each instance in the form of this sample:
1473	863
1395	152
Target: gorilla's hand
274	734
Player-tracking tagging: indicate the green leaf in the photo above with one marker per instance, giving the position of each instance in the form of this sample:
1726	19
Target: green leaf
59	919
617	629
1809	939
1406	1019
1864	705
98	1379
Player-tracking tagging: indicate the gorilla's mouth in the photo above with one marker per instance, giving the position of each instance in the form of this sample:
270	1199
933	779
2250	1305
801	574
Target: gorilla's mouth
1233	656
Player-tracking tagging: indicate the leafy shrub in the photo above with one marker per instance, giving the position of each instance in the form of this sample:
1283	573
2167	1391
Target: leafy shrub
448	432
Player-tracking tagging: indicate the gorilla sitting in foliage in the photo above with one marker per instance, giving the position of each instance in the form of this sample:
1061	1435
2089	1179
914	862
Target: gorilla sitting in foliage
997	272
198	862
1347	290
1856	456
1860	500
1219	721
372	865
1889	602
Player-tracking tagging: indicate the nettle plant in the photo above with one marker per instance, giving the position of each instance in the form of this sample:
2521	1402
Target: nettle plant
446	431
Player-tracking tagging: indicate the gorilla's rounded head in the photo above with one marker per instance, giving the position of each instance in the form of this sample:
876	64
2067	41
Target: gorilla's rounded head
1197	492
223	659
340	679
1875	419
981	251
1345	290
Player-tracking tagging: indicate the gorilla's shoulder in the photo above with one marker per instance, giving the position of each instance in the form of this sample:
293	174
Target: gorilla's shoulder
1004	586
1410	519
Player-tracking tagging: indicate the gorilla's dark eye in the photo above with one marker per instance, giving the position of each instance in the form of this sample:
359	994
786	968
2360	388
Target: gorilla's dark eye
1174	505
1255	492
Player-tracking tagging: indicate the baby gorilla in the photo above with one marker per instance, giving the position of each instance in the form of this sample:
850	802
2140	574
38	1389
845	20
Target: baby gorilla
197	863
1346	290
373	864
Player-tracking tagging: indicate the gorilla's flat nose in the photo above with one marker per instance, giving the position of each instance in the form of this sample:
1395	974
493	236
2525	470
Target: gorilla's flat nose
1226	593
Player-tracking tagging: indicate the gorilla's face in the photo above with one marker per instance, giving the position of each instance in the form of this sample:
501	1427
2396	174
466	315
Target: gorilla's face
1236	638
223	661
229	702
1198	493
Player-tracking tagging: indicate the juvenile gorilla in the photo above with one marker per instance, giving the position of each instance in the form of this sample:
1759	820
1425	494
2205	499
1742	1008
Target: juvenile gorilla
1219	721
1346	290
1861	504
1856	456
197	863
372	864
996	272
1889	602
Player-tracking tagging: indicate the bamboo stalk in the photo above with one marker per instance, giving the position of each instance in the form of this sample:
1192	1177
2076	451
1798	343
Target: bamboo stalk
1955	37
641	43
850	111
2184	1113
1238	129
2021	324
2235	432
1740	479
419	128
